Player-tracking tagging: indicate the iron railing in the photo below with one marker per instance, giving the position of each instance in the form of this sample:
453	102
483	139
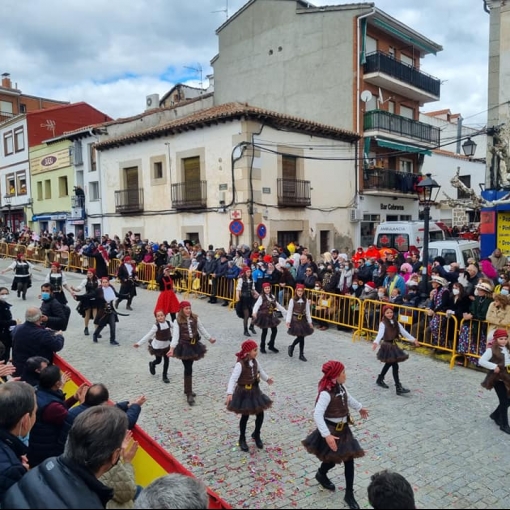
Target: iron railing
294	193
389	180
383	63
380	120
189	195
129	200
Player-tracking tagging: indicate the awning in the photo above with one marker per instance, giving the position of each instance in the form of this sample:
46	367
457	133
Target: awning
404	148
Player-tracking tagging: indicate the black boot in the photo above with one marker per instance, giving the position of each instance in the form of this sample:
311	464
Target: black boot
349	499
302	357
252	329
152	368
401	390
380	382
188	385
258	441
262	347
166	380
324	481
246	332
290	350
273	348
242	444
495	416
505	428
86	331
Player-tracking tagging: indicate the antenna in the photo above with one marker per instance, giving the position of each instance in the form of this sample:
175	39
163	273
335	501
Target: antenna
197	69
224	10
50	126
381	98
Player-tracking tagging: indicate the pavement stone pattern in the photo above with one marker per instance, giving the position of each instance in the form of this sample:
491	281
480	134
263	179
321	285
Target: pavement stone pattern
439	436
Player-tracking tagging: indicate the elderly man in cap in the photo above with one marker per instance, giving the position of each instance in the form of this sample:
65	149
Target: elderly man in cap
393	279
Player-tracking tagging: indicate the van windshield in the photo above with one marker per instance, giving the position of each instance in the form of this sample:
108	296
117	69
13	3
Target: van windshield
398	241
436	235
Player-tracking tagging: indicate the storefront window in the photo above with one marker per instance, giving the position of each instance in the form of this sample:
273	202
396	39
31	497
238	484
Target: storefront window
368	226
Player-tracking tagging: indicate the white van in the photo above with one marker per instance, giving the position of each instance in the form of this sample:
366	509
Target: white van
454	251
401	235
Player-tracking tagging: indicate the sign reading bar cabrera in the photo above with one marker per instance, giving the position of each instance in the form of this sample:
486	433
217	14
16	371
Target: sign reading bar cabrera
392	207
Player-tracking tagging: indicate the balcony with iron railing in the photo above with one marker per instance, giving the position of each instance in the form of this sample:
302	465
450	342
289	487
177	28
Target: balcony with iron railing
403	128
389	73
377	180
5	116
189	195
294	193
129	201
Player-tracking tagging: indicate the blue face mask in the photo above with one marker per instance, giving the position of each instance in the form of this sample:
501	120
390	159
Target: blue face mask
354	286
45	296
504	292
24	439
501	280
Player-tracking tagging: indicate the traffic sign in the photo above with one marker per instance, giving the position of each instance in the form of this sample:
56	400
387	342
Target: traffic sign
261	231
236	227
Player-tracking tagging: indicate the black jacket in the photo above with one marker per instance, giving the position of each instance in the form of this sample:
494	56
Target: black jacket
6	321
57	483
56	313
11	468
30	339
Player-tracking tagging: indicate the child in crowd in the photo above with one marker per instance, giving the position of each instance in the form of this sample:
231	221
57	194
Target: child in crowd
243	393
332	442
299	321
497	360
159	338
264	316
390	353
186	345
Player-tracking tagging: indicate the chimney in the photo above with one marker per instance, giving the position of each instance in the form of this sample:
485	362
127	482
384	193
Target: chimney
6	81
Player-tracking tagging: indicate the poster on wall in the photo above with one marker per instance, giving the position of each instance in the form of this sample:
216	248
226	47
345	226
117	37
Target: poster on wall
503	241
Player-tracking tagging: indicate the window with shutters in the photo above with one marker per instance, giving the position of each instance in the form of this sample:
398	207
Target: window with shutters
19	140
191	167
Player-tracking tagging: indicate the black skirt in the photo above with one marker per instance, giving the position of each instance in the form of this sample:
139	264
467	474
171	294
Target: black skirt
300	327
189	351
249	400
266	320
347	445
390	352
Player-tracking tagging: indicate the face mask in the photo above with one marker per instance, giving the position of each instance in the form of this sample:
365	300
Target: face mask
368	263
321	267
24	439
45	296
500	280
476	292
455	292
354	286
504	292
380	294
287	266
337	269
412	284
317	288
3	296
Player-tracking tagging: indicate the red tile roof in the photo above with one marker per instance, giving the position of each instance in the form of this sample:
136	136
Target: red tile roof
227	112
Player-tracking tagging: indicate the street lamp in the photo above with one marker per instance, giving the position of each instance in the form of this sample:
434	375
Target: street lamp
469	148
8	200
427	190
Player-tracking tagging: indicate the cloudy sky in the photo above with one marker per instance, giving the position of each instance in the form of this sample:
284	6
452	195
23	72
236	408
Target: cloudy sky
113	54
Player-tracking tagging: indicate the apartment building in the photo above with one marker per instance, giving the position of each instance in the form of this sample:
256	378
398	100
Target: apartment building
351	66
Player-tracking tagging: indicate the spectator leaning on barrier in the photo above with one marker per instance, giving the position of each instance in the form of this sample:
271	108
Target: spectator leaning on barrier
71	480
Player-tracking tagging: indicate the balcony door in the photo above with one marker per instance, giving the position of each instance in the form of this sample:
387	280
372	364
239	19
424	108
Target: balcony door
192	191
131	177
289	176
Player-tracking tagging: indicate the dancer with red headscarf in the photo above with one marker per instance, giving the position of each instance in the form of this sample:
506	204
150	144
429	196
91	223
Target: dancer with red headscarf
167	300
187	331
299	321
127	274
390	353
332	442
243	393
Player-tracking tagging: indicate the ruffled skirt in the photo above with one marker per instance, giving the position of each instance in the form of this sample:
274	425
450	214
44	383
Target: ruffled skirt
249	401
186	350
391	353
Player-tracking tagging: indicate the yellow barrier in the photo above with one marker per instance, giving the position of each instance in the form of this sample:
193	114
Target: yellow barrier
471	341
182	279
338	309
147	275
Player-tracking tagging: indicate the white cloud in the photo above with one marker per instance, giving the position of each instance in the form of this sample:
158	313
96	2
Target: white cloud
112	54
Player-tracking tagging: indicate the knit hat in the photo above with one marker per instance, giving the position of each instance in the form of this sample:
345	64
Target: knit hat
385	308
500	333
184	304
331	370
266	284
300	286
246	347
391	269
370	284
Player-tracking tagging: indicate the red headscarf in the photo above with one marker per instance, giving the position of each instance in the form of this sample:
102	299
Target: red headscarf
184	304
331	370
244	270
246	347
91	270
386	307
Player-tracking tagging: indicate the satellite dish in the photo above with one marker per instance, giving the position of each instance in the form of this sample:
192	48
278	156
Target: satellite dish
366	96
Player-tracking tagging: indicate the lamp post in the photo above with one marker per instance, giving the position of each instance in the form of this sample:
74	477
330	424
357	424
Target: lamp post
469	148
8	200
427	190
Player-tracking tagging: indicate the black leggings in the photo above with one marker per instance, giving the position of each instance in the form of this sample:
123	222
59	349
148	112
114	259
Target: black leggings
22	287
166	361
301	341
394	367
259	420
348	470
502	410
246	318
263	337
188	366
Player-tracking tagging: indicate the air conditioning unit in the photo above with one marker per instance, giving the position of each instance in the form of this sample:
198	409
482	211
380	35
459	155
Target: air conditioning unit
355	215
152	102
